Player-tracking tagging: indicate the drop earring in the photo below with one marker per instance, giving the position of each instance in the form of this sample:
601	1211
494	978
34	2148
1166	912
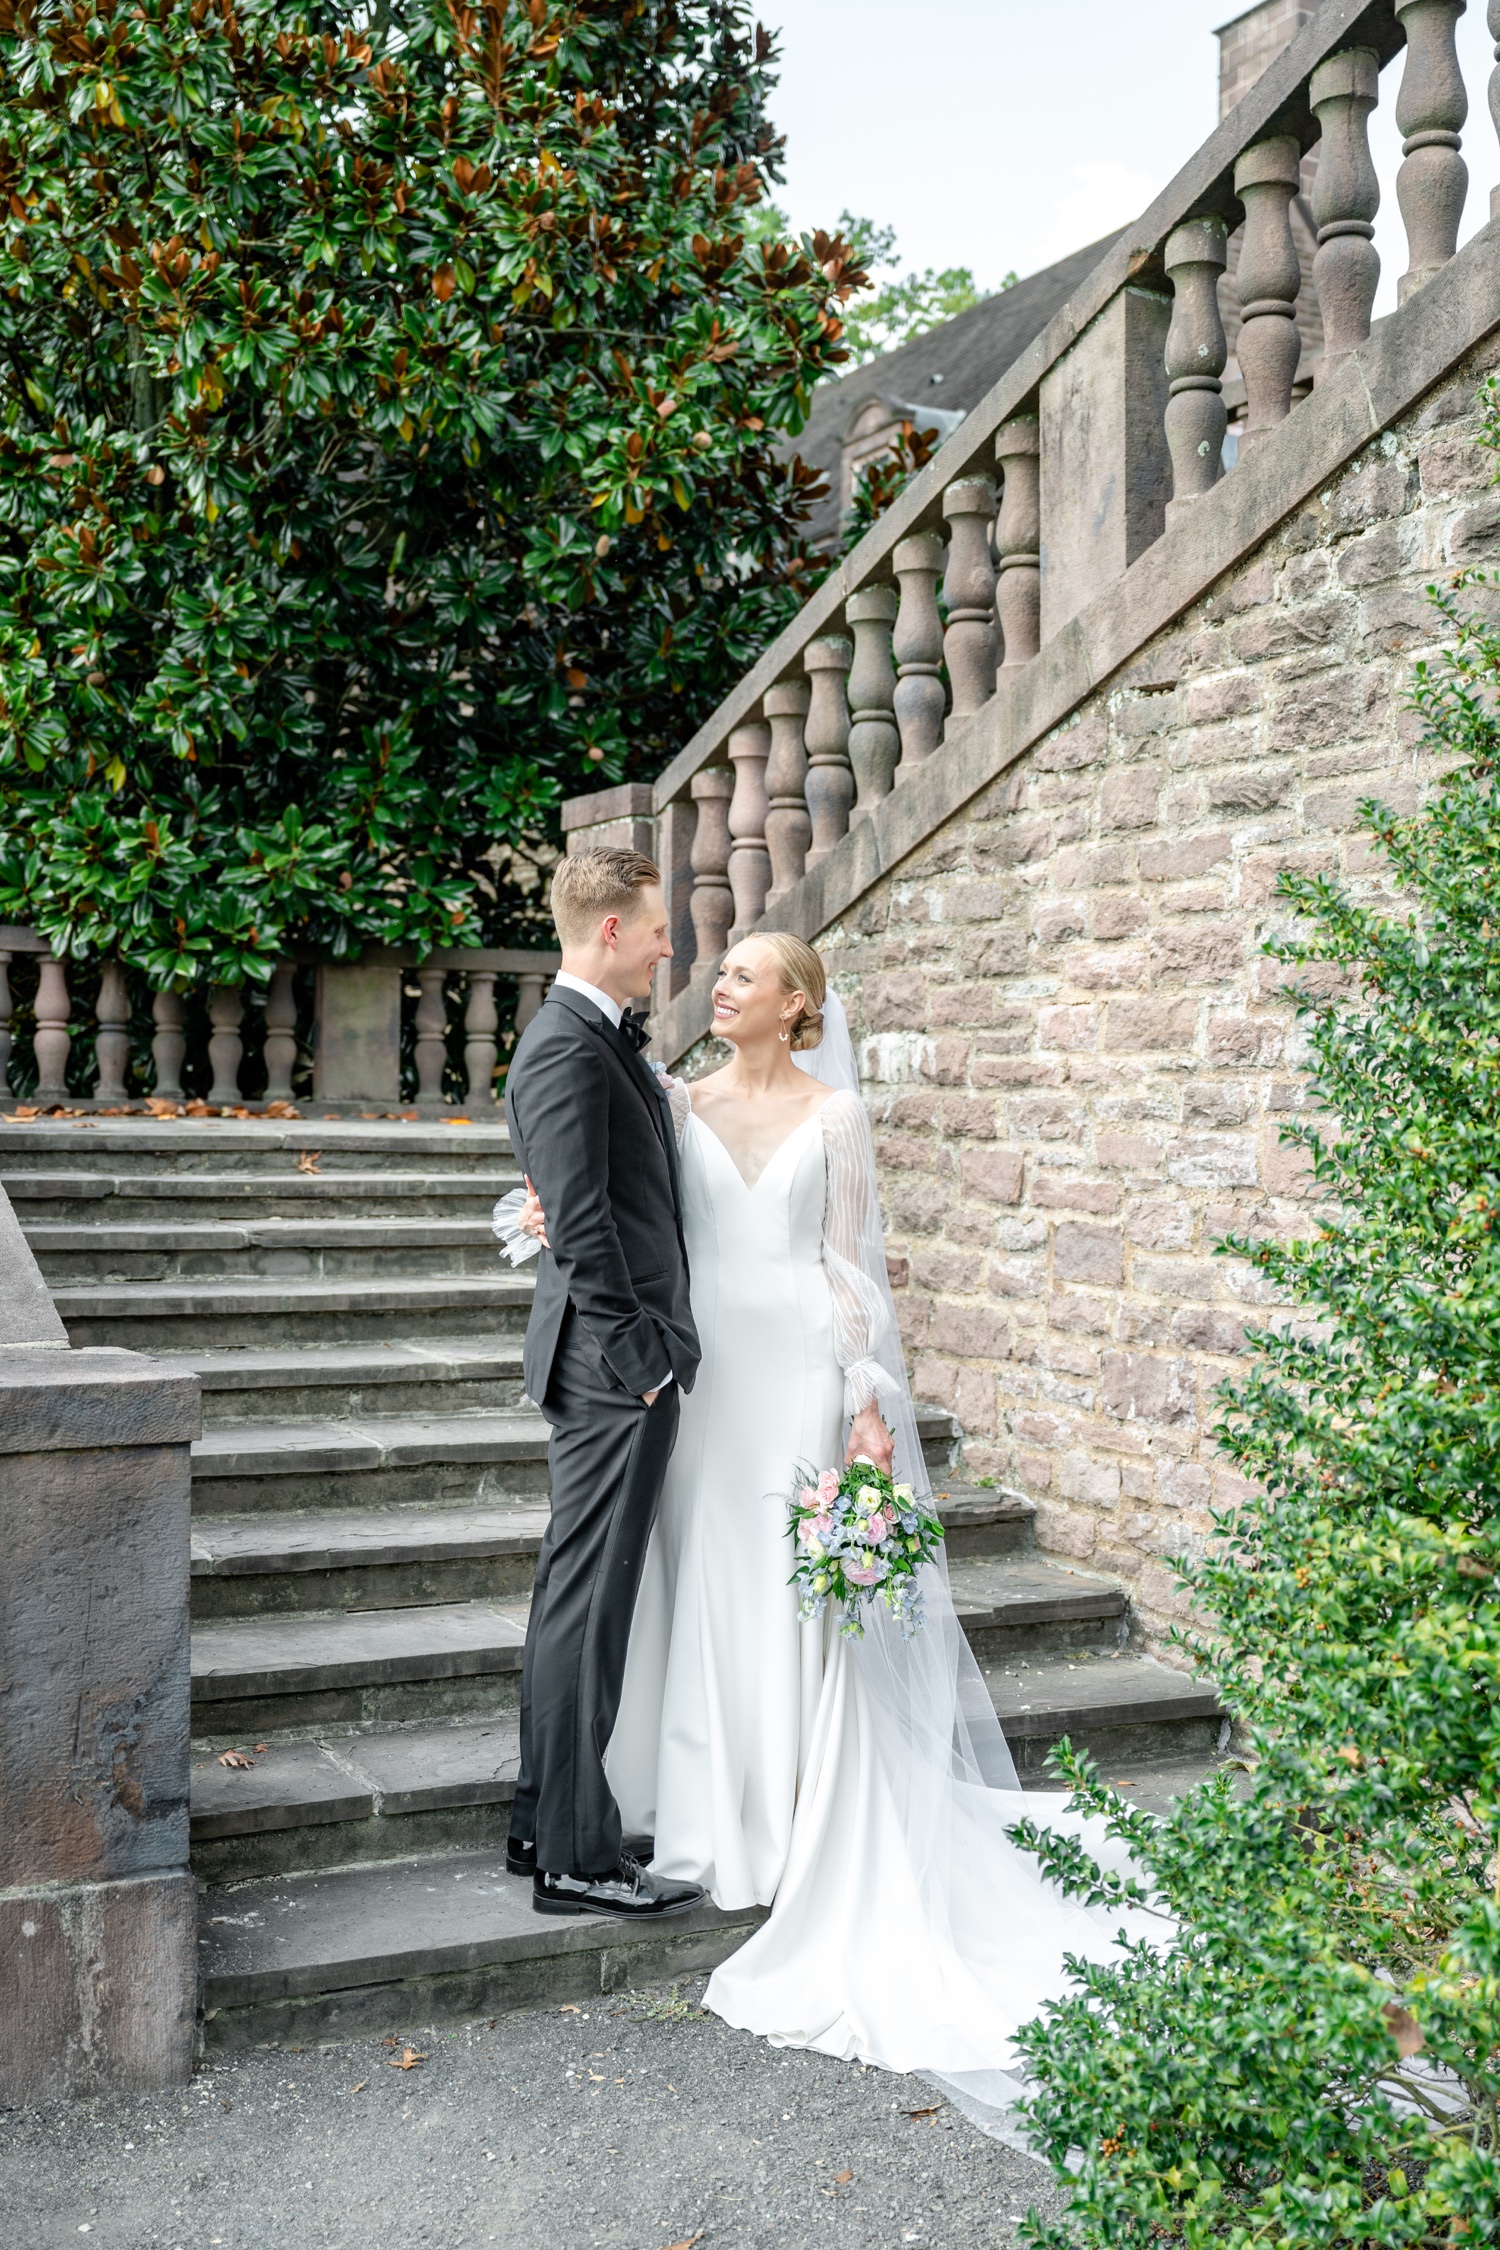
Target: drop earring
784	1037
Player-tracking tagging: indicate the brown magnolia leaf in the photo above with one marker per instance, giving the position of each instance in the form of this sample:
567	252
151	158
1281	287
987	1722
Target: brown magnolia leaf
308	1160
408	2059
1403	2028
842	2179
931	2110
261	1748
234	1758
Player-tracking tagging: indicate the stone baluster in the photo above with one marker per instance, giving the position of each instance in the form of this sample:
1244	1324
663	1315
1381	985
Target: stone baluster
281	1032
112	1039
1492	21
830	784
481	1045
168	1044
788	828
969	591
1196	255
874	743
531	989
432	1033
917	645
1345	199
52	1041
5	1012
749	861
1018	538
1265	180
1430	109
712	907
226	1007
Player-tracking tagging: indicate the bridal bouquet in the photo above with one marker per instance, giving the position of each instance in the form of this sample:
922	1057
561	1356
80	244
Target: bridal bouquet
858	1537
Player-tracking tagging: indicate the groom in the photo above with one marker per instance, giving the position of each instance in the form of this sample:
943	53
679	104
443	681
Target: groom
610	1347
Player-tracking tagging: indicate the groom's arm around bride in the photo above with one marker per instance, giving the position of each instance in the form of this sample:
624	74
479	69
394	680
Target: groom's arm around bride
609	1346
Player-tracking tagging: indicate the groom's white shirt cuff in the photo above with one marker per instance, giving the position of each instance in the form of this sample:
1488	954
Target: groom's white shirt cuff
612	1011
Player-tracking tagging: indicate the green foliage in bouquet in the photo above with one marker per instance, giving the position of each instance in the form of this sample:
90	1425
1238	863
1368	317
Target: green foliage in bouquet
387	405
1314	2057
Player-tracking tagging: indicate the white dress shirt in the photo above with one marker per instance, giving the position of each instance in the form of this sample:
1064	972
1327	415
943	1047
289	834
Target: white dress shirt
612	1012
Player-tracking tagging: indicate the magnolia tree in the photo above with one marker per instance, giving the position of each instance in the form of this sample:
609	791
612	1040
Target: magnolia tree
387	406
1312	2053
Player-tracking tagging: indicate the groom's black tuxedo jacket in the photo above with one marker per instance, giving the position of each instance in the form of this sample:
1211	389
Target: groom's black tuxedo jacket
593	1132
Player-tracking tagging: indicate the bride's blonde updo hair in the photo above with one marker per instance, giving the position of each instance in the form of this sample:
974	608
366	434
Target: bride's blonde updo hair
801	971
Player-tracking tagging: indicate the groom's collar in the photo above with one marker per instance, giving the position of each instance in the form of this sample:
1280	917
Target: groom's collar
565	981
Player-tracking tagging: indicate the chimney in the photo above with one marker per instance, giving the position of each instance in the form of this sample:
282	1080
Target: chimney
1250	43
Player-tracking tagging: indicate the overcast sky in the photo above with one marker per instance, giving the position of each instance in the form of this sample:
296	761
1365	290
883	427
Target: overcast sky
999	133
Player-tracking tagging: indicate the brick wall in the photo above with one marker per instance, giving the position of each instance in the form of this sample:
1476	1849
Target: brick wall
1074	1046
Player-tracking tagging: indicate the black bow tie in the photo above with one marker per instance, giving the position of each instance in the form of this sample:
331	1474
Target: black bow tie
633	1030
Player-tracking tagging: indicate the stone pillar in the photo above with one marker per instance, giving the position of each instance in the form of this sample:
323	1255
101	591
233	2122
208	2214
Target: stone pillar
873	741
357	1030
969	591
481	1047
1345	198
52	1043
531	990
1430	109
281	1032
830	784
1269	275
168	1044
713	908
749	861
917	645
1018	531
788	826
226	1008
112	1039
675	825
1106	474
432	1033
1195	257
620	816
98	1911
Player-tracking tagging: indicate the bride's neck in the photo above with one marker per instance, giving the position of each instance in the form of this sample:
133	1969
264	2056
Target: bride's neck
762	1070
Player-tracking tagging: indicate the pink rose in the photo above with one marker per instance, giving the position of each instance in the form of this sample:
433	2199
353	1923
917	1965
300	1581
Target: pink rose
807	1497
823	1524
864	1574
828	1484
876	1529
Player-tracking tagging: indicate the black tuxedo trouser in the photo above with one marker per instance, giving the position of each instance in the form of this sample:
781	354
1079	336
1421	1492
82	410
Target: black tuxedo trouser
607	1458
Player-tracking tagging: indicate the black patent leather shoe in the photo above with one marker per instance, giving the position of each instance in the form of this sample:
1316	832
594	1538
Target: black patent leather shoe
520	1858
626	1892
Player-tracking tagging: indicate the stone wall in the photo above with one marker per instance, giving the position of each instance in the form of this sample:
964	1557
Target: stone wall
1095	1094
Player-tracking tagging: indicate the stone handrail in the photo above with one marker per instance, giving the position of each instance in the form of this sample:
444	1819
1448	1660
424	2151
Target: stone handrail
354	1041
1106	440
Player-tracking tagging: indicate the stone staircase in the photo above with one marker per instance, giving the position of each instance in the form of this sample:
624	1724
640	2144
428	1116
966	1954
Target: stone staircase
368	1495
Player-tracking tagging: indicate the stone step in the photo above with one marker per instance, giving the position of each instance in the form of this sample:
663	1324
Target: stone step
276	1671
1118	1706
371	1948
154	1147
162	1316
377	1461
455	1375
317	1248
137	1198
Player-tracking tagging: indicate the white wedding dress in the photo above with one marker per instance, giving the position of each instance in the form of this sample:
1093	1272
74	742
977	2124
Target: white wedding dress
849	1784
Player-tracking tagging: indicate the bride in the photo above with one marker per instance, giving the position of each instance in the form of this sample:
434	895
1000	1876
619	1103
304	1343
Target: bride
860	1788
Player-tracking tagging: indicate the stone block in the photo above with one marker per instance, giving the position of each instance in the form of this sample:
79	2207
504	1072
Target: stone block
1371	491
1120	968
1156	1026
1117	916
1073	1029
1142	1387
98	1988
1067	1191
357	1036
1087	1253
1249	789
27	1313
96	1904
1201	952
993	1174
1225	695
1178	859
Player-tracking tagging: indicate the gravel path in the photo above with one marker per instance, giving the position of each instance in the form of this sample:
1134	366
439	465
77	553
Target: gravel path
636	2122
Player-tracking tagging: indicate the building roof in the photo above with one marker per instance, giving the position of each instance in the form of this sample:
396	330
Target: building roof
950	368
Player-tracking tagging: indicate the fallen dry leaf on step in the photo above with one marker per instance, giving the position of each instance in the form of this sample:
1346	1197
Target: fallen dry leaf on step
359	2089
1404	2028
842	2179
687	2241
408	2059
261	1748
234	1758
929	2112
308	1160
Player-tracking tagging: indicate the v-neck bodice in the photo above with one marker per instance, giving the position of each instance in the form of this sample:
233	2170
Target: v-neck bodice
751	1186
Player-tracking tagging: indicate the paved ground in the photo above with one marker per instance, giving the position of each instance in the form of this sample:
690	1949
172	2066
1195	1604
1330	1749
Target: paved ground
636	2123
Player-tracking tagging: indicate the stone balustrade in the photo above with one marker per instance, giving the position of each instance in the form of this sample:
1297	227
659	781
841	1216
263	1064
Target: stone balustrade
334	1035
1104	437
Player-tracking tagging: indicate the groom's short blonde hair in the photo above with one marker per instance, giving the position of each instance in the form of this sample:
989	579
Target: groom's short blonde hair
590	884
